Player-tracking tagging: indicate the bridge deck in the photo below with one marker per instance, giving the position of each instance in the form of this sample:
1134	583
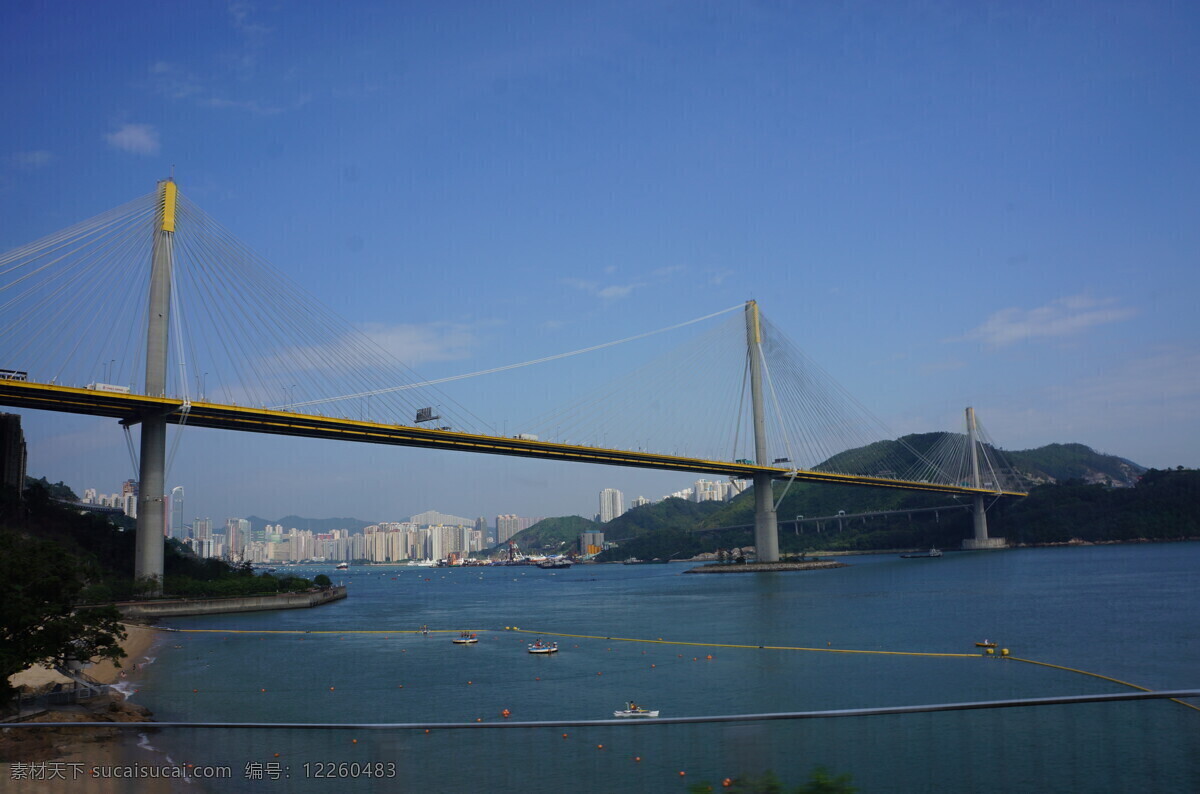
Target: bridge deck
131	407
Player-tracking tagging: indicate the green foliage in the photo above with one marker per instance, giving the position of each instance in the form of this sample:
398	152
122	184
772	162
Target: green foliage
40	584
560	534
662	530
322	581
819	782
57	490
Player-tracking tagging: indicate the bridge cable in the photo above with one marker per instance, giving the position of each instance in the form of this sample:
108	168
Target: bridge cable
521	364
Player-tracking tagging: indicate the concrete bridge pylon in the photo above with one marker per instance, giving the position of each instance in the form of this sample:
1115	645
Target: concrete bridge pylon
151	518
981	540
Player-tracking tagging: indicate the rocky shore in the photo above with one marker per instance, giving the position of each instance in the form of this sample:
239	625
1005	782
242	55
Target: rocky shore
92	745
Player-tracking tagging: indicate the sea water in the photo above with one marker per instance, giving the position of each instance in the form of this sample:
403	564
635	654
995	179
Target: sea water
1129	613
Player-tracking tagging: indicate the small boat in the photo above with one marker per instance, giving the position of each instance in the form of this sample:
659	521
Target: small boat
985	644
560	563
930	553
466	638
634	710
343	566
543	647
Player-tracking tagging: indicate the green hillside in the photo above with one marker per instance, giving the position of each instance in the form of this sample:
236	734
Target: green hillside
553	535
1061	462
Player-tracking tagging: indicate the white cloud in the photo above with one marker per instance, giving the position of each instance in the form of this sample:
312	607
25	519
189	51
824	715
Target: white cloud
418	344
616	291
1062	317
30	160
135	138
610	292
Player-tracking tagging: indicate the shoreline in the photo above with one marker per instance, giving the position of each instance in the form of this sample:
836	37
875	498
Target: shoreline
81	749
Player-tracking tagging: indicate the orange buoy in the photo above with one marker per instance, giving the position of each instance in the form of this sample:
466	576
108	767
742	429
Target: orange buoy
565	735
654	665
637	758
709	656
276	755
330	689
506	713
354	741
262	690
682	773
599	747
727	782
195	690
479	719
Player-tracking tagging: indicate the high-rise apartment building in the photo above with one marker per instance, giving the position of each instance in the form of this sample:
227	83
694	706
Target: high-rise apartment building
177	530
506	527
612	504
13	453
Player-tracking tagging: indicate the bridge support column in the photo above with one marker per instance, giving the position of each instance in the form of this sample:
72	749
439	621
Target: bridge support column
151	519
766	526
981	539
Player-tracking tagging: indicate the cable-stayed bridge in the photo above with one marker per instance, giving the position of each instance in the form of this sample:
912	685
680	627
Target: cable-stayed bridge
156	315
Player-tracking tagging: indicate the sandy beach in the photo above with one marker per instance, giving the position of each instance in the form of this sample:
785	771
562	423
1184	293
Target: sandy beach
68	753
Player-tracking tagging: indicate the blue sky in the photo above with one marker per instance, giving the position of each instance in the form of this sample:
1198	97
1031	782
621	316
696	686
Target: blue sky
988	204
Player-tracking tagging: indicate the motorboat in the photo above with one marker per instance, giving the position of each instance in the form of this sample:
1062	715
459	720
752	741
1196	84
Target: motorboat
343	566
634	710
543	647
985	644
466	638
930	553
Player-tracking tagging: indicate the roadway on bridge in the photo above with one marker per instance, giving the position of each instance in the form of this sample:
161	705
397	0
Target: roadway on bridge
131	408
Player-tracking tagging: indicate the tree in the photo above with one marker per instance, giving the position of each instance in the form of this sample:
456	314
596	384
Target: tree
322	581
39	586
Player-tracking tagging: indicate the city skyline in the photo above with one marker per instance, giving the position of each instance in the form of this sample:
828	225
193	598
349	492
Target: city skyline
963	207
176	525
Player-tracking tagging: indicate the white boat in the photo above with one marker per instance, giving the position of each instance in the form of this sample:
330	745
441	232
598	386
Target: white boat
543	647
634	710
343	566
466	638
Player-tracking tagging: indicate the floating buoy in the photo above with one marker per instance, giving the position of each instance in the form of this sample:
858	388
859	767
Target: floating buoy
637	758
262	690
506	713
682	773
195	690
470	682
330	689
399	686
597	673
479	719
599	747
354	741
565	735
426	730
537	678
727	782
276	755
709	656
654	665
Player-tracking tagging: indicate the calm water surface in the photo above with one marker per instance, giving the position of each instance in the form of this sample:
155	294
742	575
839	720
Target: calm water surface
1128	612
